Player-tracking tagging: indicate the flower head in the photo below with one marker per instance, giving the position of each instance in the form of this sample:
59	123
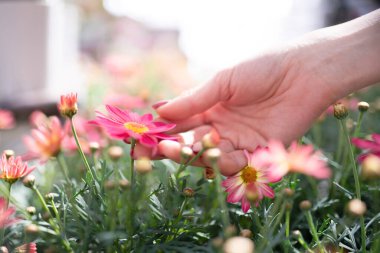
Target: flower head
124	125
68	105
45	141
253	179
27	248
371	147
298	158
11	169
7	120
6	213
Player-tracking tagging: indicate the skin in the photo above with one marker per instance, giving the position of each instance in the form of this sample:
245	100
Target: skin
278	94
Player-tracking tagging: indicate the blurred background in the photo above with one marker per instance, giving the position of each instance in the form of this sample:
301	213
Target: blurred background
131	53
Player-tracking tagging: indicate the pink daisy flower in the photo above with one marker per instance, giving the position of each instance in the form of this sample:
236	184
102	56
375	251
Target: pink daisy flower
298	159
371	147
11	169
252	180
124	125
7	120
6	213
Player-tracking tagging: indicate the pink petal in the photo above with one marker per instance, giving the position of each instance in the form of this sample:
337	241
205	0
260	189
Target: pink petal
376	138
147	118
148	141
245	205
236	194
365	144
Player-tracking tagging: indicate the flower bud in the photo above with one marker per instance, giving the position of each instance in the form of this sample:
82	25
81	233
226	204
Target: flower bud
46	216
143	165
209	173
188	192
115	152
8	153
94	146
356	207
68	105
238	244
371	167
363	106
31	229
31	210
340	111
211	139
288	193
213	154
246	233
297	234
124	183
29	181
305	205
109	185
3	249
49	197
186	152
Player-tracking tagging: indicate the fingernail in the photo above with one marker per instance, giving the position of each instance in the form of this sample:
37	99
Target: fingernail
159	104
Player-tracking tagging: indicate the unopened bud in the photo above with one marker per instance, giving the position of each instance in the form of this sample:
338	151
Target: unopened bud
31	210
213	154
46	216
143	165
186	152
363	106
211	139
209	173
288	192
188	192
371	167
9	153
356	207
3	249
29	181
115	152
297	233
50	196
238	244
305	205
31	229
340	111
94	146
109	185
246	233
124	183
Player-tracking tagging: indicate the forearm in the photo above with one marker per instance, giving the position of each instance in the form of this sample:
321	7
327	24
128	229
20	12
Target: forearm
345	57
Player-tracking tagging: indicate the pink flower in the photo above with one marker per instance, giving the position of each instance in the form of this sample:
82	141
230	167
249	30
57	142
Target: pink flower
6	213
252	180
11	169
371	147
124	125
27	248
7	120
45	141
298	159
68	105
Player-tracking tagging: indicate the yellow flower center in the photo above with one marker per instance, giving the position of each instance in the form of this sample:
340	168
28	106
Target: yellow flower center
136	127
249	174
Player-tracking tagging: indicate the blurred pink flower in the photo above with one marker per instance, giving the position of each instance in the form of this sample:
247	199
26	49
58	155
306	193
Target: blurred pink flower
124	125
298	159
251	181
27	248
6	213
45	141
38	118
7	120
11	169
124	101
371	147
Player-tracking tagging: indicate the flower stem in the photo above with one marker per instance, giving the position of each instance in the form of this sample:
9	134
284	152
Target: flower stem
193	159
221	199
6	207
313	231
287	223
133	145
359	124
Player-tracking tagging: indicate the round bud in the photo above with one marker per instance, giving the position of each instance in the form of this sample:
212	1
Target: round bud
288	192
213	154
238	244
209	173
356	207
8	153
115	152
363	106
94	146
188	192
186	152
246	233
109	185
29	181
211	139
46	216
3	249
371	167
340	111
124	183
31	210
31	229
305	205
143	165
297	233
49	196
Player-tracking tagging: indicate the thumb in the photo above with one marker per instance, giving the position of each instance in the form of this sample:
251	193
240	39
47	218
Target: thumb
199	99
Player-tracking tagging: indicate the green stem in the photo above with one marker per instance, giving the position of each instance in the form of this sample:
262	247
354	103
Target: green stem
133	145
359	125
221	198
287	223
6	207
304	244
193	159
313	231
